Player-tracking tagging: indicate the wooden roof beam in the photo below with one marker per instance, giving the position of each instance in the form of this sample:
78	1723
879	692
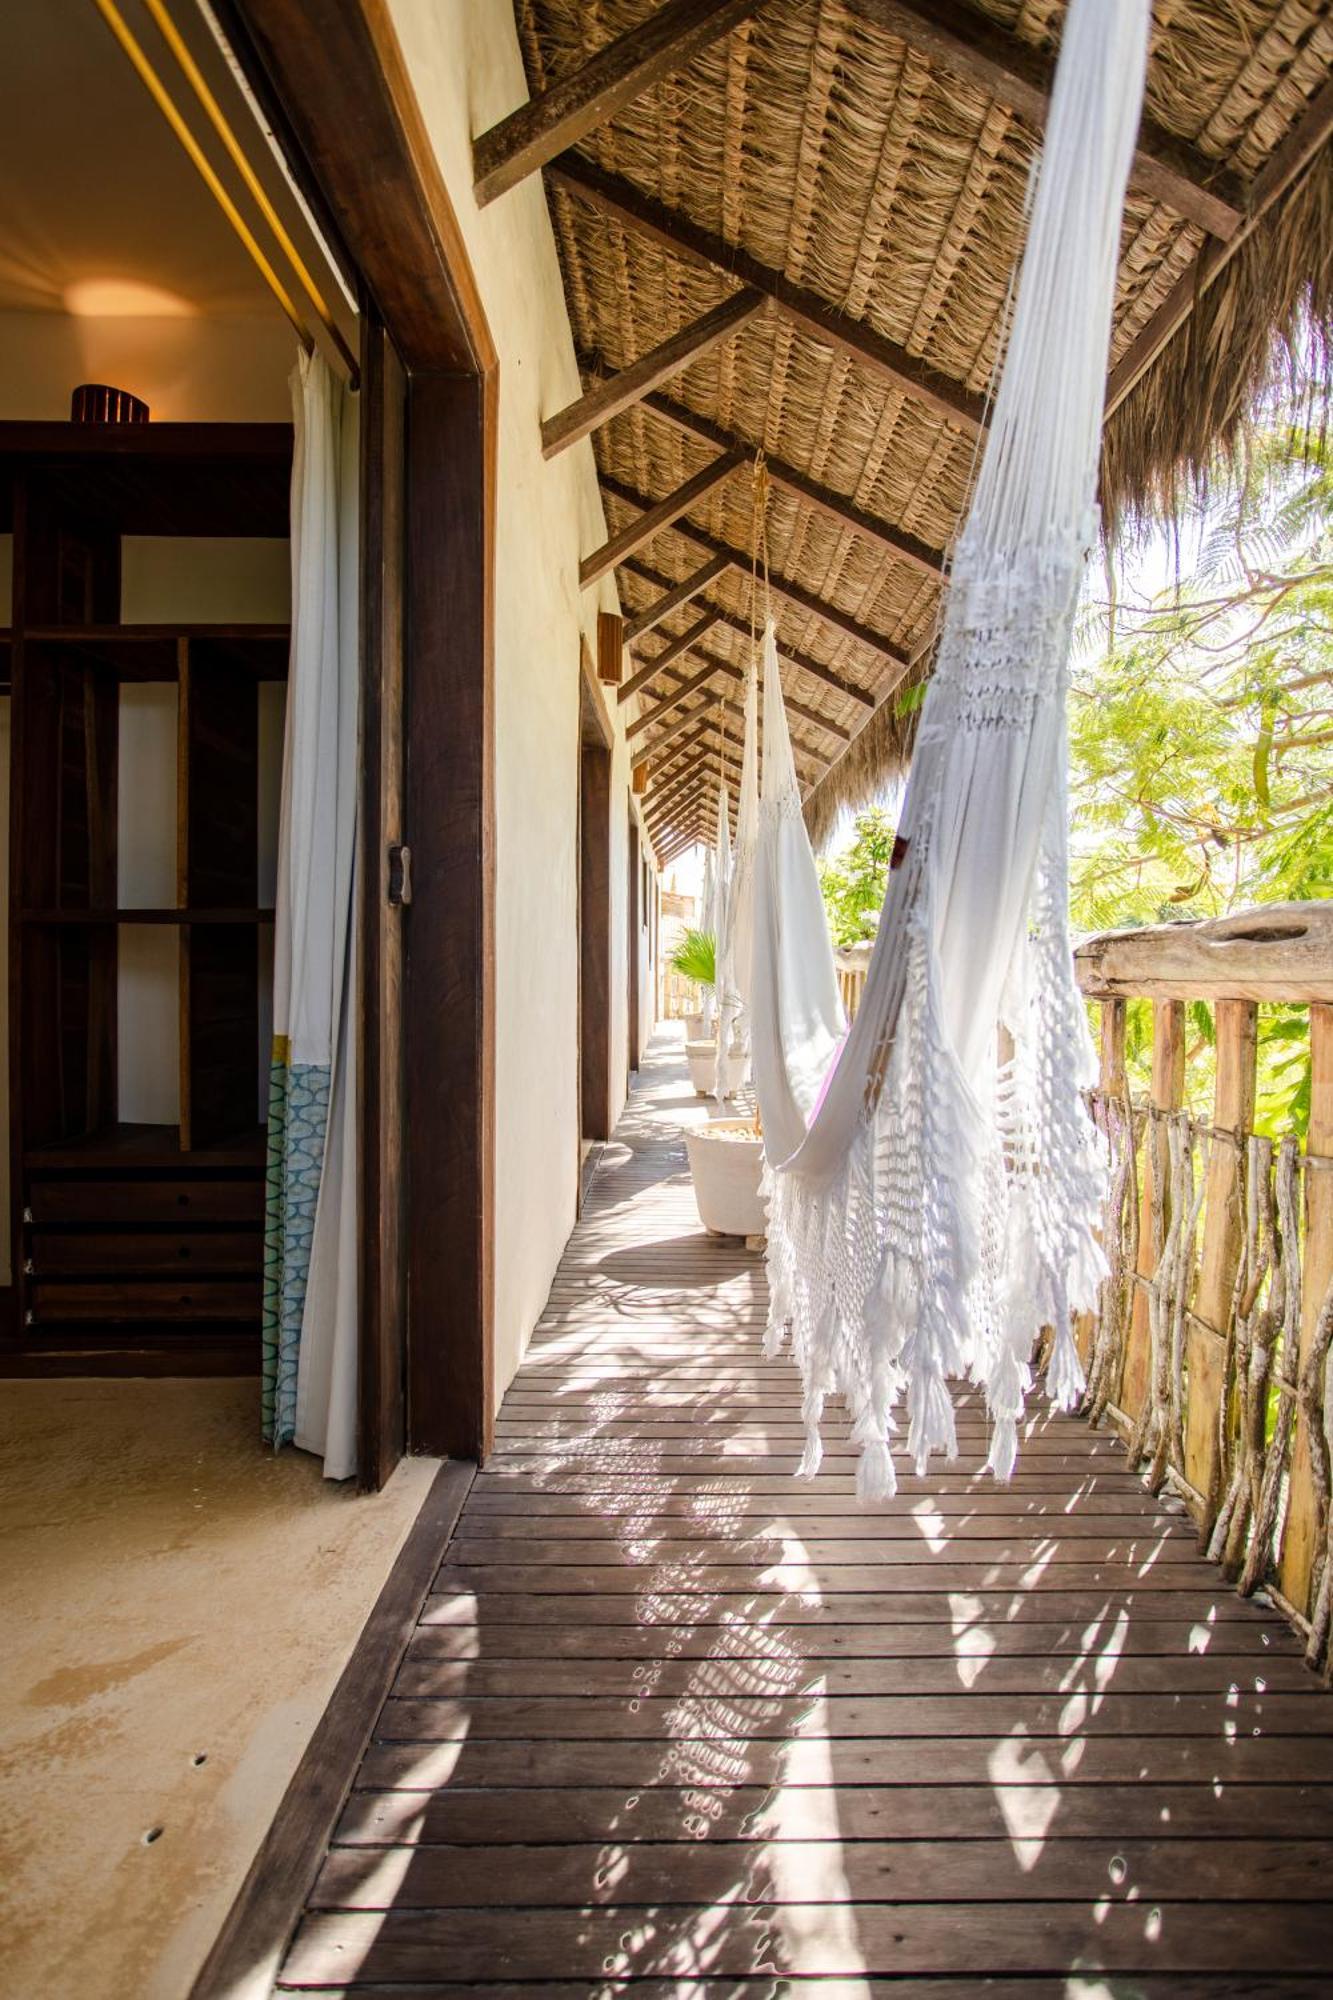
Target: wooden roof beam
669	702
665	794
835	506
683	238
1288	162
785	586
671	600
790	702
671	36
790	654
620	391
657	515
956	38
669	653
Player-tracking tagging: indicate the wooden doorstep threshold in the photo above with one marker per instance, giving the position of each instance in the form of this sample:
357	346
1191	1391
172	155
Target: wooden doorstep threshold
244	1961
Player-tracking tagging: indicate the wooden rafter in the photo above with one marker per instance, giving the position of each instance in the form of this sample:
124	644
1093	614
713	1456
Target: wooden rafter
784	586
835	506
793	706
668	736
955	37
803	661
685	239
679	593
656	515
530	136
669	702
614	393
1288	162
670	653
729	671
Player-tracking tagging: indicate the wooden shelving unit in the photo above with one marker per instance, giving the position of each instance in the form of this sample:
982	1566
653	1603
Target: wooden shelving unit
137	1248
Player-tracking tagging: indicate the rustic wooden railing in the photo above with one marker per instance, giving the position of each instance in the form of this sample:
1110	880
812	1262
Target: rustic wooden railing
1210	1349
1212	1346
851	963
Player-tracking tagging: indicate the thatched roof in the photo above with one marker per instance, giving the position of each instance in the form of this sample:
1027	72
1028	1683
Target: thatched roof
831	153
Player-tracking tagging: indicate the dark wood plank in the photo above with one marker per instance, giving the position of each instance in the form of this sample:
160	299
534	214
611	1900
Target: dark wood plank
669	1719
819	1941
260	1922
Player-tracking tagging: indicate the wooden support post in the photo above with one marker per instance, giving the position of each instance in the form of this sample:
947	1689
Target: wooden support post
683	643
671	599
658	515
1236	1024
607	398
666	41
1168	1090
1111	1083
639	780
1304	1509
610	648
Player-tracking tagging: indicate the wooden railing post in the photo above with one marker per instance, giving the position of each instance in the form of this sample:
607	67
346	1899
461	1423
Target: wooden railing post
1167	1095
1111	1085
1305	1506
1236	1033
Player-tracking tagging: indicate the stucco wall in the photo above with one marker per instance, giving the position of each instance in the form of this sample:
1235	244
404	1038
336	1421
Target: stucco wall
465	65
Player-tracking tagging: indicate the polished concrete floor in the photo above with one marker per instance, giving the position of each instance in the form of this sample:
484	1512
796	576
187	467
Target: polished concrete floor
176	1605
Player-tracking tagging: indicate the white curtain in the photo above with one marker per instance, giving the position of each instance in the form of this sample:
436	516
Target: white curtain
941	1207
796	1016
735	941
310	1291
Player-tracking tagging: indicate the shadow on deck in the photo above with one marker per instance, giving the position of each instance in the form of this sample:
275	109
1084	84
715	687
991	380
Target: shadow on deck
674	1723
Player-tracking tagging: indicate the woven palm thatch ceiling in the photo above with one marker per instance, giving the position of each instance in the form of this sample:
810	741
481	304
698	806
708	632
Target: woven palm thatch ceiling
795	222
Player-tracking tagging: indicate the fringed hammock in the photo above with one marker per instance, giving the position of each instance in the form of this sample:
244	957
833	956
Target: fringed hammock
938	1210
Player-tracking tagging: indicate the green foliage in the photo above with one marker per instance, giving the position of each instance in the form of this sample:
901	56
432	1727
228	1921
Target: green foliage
1201	744
854	882
695	957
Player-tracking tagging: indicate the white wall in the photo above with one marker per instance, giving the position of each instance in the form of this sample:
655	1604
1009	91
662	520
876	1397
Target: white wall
186	369
465	65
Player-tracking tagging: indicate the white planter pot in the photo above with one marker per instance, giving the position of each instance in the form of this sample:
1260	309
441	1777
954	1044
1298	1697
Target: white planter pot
726	1161
701	1056
696	1028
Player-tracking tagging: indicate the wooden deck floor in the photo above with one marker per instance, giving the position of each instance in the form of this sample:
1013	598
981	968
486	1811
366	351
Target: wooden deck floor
673	1723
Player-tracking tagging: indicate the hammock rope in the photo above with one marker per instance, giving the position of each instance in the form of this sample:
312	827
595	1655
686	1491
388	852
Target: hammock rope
939	1208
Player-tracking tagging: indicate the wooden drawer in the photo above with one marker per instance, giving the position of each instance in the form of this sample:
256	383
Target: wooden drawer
144	1252
133	1201
112	1301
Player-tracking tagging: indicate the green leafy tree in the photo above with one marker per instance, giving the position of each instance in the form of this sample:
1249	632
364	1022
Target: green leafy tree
854	882
1201	742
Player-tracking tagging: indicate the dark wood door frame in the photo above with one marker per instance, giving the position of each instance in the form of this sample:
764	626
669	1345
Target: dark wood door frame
331	75
634	943
594	936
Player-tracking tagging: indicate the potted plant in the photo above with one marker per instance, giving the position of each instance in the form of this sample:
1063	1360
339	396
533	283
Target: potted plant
695	958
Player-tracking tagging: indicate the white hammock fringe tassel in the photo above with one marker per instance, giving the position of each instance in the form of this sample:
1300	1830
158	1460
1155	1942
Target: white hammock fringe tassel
940	1206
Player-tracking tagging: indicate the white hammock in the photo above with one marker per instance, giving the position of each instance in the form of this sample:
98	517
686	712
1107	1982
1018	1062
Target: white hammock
796	1017
940	1209
735	936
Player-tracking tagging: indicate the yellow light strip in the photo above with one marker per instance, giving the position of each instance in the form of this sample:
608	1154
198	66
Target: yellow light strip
160	95
218	119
